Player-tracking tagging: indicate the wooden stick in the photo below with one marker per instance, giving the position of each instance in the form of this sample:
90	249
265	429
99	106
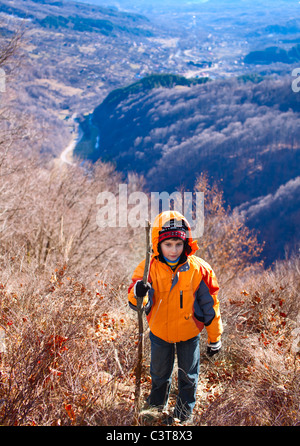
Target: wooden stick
148	253
140	311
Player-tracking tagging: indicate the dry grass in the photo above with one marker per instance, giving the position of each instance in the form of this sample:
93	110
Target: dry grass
71	352
256	379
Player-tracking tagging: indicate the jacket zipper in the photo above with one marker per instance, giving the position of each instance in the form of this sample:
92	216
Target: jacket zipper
181	299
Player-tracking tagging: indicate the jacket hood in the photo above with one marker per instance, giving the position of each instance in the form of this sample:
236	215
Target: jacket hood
161	220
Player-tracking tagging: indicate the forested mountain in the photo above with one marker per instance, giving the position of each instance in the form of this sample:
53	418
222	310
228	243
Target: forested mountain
243	132
274	54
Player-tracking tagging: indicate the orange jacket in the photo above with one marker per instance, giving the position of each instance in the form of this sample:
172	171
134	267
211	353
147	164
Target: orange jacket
181	302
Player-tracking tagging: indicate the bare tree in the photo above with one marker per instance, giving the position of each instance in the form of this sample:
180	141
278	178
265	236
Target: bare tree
227	243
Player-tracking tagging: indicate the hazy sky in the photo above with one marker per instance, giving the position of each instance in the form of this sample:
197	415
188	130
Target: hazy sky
149	5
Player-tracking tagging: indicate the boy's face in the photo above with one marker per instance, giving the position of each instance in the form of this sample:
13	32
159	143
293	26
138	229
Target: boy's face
172	248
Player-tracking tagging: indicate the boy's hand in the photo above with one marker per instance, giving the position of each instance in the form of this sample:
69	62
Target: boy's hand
141	289
213	348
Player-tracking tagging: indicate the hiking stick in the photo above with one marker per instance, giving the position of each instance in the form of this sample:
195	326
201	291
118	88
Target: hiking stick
139	366
148	253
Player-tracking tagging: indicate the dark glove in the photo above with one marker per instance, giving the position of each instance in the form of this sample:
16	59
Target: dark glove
213	348
141	289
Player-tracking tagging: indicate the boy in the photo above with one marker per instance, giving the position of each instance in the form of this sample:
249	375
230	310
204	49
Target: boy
180	298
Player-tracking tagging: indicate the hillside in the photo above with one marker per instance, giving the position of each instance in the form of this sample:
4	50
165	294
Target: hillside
274	54
147	84
72	55
243	133
75	53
